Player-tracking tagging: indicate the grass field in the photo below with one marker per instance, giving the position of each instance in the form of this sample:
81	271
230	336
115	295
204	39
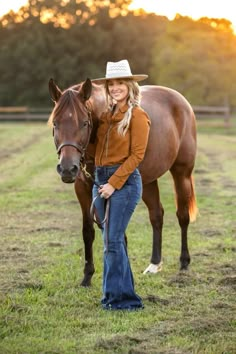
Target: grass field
42	307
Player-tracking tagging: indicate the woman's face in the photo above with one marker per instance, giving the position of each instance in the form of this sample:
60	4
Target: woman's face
118	90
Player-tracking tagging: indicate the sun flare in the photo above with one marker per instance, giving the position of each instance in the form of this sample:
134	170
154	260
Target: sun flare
15	5
169	8
194	9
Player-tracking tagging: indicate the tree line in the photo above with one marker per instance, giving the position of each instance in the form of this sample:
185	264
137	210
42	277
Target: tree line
71	40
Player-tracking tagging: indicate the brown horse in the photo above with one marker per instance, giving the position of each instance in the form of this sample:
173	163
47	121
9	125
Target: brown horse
171	146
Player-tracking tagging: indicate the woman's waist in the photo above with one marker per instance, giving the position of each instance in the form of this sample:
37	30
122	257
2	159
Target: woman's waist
106	170
110	161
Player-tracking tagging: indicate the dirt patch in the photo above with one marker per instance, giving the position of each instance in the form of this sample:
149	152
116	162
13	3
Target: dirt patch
223	306
211	232
149	340
183	279
45	229
227	268
154	351
31	285
55	244
204	326
117	342
225	248
156	300
228	281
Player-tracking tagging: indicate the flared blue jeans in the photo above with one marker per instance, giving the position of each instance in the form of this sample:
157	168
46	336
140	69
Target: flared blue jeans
118	283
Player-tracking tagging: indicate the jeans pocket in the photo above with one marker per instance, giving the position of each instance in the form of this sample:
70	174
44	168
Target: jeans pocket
134	178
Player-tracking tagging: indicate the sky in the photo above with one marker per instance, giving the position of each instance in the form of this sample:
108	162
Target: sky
169	8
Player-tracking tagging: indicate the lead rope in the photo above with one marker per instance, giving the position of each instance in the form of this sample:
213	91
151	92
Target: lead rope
92	207
104	221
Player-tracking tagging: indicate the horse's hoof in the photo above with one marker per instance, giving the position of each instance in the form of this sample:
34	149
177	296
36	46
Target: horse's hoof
184	264
184	267
85	283
153	268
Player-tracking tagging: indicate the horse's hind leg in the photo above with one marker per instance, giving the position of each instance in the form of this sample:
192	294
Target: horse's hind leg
184	194
151	198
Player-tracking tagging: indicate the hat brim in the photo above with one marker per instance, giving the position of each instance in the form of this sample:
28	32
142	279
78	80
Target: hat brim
103	80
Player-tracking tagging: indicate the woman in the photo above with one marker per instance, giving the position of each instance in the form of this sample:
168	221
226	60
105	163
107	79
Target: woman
120	147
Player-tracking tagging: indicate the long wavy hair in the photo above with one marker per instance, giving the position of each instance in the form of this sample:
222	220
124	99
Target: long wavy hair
133	100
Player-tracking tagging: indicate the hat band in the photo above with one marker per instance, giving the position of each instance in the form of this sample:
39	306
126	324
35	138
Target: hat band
114	76
118	73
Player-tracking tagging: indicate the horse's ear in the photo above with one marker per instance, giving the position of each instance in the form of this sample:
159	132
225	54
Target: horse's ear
54	91
86	90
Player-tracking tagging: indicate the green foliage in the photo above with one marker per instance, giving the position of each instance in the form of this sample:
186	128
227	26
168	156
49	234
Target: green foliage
197	60
71	40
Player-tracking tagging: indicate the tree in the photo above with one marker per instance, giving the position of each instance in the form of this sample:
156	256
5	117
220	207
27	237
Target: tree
197	60
190	56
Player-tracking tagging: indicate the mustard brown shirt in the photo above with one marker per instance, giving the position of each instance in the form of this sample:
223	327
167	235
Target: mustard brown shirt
127	151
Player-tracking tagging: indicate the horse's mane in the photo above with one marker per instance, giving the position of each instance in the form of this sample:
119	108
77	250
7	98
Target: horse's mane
68	100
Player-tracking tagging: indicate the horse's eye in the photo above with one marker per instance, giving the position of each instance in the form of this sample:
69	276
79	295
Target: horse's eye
86	123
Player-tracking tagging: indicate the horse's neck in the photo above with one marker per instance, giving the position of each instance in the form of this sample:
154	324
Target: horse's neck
90	153
98	100
98	106
93	135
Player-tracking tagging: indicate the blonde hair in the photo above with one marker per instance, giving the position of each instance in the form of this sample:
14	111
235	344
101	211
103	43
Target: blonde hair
133	100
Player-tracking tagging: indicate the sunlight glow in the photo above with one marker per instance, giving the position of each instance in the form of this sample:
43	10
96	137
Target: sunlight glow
15	5
191	8
169	8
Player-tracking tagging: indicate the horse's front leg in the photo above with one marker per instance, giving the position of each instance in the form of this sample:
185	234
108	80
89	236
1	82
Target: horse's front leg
151	198
88	237
84	195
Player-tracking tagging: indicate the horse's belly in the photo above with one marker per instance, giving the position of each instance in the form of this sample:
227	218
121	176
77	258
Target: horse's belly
151	171
159	157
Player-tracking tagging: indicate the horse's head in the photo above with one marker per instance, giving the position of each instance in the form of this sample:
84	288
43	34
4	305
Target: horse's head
72	125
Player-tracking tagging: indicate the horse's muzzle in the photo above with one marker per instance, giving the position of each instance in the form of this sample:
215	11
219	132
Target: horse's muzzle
69	174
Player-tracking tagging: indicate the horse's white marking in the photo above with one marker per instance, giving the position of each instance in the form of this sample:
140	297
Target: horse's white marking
70	114
153	268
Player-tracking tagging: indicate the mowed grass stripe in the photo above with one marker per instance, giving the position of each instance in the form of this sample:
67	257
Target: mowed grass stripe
31	153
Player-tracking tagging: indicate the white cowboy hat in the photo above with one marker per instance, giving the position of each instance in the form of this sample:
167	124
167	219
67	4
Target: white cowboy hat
119	70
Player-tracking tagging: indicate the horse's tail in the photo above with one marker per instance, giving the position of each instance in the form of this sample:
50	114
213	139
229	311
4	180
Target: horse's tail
192	206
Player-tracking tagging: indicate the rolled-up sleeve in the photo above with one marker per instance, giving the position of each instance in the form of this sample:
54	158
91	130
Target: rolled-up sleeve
139	131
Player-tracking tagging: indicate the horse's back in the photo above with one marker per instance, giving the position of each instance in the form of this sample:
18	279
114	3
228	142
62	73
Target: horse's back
172	134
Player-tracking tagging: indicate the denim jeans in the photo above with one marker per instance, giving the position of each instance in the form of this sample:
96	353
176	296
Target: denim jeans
118	283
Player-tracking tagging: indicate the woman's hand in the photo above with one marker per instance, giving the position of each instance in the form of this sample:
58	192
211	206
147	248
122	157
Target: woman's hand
106	190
